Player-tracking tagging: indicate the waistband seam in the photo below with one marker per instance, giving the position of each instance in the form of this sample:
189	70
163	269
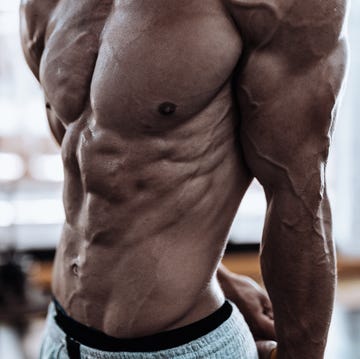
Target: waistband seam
157	342
210	343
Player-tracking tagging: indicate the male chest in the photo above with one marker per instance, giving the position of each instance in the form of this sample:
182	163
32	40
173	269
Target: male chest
128	59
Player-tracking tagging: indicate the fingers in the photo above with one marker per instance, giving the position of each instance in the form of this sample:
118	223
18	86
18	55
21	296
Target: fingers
265	323
267	328
260	318
265	348
264	328
267	305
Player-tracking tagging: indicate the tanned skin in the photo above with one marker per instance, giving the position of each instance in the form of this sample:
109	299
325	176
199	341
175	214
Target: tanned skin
166	111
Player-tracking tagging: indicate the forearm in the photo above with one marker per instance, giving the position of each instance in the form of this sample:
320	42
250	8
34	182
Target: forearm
298	267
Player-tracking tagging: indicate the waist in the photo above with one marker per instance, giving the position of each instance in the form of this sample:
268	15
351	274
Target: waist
99	340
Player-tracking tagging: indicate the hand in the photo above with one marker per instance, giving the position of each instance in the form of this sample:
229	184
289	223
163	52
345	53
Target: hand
252	301
266	349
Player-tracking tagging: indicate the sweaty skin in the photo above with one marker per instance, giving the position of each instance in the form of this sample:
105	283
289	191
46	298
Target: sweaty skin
165	111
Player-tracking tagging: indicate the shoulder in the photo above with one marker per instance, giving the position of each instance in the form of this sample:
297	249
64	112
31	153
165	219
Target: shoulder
35	9
290	25
34	17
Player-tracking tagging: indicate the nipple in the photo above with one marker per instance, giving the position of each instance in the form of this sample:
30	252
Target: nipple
167	108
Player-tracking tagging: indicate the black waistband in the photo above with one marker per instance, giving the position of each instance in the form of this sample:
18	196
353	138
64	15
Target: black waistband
96	339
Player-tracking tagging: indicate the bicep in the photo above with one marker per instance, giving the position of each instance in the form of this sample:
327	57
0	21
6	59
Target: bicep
287	117
34	18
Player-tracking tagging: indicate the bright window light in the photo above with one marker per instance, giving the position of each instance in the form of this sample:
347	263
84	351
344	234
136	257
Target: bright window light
7	214
38	211
47	168
12	167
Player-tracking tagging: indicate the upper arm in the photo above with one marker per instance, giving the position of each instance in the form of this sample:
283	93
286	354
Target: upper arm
34	18
287	90
34	21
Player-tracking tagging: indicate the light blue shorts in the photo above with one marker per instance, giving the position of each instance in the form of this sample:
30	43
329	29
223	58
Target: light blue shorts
230	340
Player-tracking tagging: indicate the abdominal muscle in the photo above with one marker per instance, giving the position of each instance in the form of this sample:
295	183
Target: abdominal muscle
147	219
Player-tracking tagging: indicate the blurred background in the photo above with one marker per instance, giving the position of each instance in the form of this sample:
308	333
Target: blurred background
31	212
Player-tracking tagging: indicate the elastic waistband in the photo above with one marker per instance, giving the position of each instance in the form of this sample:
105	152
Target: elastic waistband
96	339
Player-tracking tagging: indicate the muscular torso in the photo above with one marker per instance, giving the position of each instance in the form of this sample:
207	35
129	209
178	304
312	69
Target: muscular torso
153	168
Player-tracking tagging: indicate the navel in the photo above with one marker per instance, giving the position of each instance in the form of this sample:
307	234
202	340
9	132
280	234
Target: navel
75	266
75	269
167	108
